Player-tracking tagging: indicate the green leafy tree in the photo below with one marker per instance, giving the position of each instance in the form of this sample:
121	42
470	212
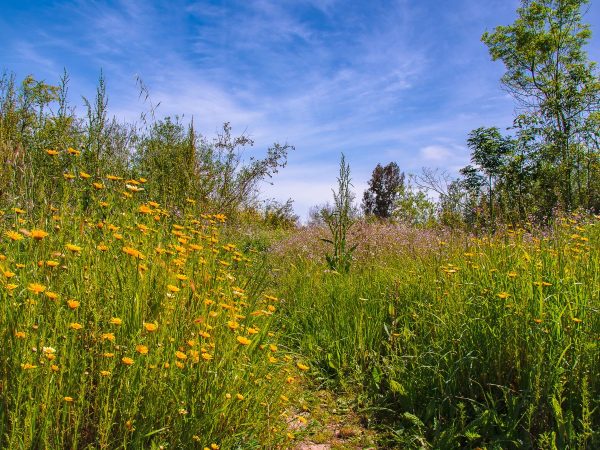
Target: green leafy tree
384	187
414	207
489	151
555	85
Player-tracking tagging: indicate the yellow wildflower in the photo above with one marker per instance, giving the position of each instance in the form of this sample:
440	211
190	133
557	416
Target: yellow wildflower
51	295
36	288
38	235
141	349
172	288
302	367
243	340
150	327
133	252
13	235
73	304
108	337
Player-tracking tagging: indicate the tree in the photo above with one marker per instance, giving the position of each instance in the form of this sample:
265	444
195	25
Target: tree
413	206
384	187
489	151
556	87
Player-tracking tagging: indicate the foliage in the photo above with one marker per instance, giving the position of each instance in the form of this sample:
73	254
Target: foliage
414	207
384	188
460	342
339	221
125	326
280	215
183	168
558	91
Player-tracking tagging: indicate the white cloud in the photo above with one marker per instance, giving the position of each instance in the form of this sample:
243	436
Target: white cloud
435	153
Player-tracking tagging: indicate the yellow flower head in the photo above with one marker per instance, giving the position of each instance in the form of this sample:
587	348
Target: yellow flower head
75	326
13	235
133	252
36	288
141	349
172	288
73	304
38	235
150	327
73	248
127	361
51	295
243	340
302	367
108	337
115	321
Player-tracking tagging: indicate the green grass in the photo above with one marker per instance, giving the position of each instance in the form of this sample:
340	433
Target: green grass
479	342
127	327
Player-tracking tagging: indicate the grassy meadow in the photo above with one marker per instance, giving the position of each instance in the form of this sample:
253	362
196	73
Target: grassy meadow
124	325
454	341
147	302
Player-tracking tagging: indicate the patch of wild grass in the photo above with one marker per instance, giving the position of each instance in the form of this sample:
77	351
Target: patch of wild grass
124	326
490	341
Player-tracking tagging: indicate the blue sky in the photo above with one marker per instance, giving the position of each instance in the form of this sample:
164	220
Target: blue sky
381	81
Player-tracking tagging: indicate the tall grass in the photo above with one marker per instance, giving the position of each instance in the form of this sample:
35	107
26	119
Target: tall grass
463	342
125	326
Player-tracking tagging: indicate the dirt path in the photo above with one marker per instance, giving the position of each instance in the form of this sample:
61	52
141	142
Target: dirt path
333	425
